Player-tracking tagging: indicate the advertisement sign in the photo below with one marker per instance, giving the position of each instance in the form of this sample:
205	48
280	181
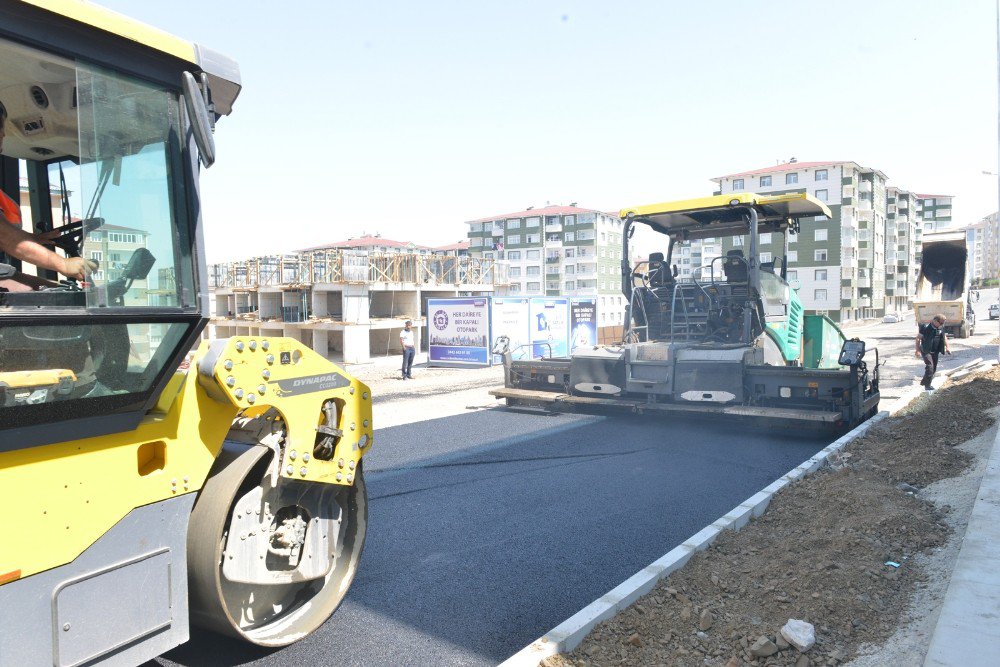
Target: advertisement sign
510	318
583	324
549	327
458	331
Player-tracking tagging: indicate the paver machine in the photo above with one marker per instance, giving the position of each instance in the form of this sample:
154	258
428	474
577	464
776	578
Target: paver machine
732	341
145	487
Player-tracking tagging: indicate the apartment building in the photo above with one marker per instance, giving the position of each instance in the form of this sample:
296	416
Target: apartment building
839	264
935	211
984	249
904	230
557	251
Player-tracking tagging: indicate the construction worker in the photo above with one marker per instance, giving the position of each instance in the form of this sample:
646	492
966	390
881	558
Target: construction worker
931	341
29	247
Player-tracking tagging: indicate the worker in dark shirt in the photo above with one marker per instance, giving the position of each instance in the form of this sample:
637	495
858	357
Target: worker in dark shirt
931	342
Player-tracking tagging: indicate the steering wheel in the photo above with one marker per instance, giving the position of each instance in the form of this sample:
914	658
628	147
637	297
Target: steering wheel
70	237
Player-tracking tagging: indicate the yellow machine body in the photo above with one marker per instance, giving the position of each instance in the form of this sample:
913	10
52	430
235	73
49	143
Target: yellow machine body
83	487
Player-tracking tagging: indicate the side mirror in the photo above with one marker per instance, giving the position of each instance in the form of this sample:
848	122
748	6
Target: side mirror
201	121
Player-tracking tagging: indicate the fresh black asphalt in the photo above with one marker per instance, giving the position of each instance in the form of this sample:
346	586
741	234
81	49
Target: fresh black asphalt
487	529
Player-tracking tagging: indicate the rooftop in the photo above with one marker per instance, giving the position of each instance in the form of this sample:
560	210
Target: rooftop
545	210
787	166
461	245
366	241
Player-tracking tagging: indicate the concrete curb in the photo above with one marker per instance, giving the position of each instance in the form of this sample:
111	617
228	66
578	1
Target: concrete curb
567	635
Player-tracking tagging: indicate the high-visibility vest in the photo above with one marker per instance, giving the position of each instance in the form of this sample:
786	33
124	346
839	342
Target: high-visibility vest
10	210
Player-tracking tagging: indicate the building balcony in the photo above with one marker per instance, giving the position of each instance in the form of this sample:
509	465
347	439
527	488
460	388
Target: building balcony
553	242
865	186
864	283
553	227
552	259
553	271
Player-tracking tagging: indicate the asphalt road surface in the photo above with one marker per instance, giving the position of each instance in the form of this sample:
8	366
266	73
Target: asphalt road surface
487	529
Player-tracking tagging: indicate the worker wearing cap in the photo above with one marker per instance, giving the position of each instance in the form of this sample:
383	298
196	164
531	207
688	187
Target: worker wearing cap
29	247
406	342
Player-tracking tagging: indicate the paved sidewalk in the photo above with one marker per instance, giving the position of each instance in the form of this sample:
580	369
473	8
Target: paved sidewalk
968	630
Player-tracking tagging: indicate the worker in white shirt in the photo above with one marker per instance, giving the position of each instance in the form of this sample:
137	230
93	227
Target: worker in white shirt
406	342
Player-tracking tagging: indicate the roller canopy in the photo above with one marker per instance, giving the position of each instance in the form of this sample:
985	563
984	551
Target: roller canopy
723	215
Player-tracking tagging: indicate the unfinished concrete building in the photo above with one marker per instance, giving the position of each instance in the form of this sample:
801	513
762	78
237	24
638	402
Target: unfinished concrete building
347	305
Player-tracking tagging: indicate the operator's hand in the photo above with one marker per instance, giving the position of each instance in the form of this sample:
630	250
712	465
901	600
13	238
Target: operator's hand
78	267
916	353
49	237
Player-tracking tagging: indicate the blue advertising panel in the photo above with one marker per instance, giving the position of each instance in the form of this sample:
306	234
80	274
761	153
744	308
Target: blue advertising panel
583	324
458	331
509	317
549	327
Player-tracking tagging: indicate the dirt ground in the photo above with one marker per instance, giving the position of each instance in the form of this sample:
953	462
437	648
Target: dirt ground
818	554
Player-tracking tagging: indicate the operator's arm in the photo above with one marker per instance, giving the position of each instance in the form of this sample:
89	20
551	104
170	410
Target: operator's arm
25	247
919	340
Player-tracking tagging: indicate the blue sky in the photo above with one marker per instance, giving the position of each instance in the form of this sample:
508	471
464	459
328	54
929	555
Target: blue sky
409	118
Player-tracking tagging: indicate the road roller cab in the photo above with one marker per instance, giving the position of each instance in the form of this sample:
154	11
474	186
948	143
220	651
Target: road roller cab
147	493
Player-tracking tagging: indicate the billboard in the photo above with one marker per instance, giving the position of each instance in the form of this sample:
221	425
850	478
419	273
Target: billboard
583	324
548	322
510	318
458	331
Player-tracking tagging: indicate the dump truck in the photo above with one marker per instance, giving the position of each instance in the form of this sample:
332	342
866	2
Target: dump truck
943	283
731	342
150	480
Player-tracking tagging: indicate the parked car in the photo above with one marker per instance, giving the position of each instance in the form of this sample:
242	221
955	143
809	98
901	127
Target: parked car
995	311
892	318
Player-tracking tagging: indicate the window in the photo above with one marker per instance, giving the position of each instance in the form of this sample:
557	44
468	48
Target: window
532	238
515	272
765	238
819	255
793	275
569	219
515	289
822	195
532	222
792	178
820	274
820	235
864	196
569	269
819	295
739	240
765	258
570	285
514	255
533	271
513	224
765	181
792	256
96	255
534	287
737	184
514	238
821	175
570	252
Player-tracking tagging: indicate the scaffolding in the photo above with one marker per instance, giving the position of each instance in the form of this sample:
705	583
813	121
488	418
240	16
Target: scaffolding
353	267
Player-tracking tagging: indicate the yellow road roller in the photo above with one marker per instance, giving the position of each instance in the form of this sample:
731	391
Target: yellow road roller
148	480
